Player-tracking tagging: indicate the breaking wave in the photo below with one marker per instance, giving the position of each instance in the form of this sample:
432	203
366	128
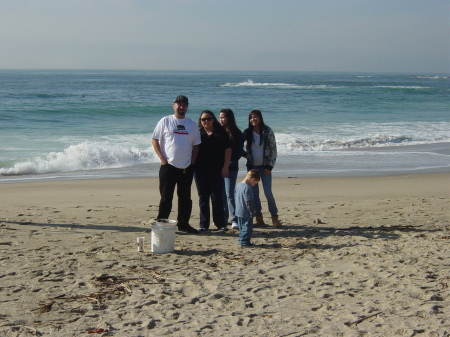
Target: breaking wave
250	83
80	157
103	155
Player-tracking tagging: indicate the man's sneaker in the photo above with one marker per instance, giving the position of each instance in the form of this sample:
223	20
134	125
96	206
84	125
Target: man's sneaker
202	229
187	228
223	229
246	245
234	225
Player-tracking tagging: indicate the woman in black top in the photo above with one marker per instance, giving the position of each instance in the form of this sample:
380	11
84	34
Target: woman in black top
228	121
210	168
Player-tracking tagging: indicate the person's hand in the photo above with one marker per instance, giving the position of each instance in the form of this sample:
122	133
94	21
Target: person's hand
267	172
225	172
164	161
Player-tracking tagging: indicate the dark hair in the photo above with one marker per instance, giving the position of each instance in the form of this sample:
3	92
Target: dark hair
231	128
216	123
262	126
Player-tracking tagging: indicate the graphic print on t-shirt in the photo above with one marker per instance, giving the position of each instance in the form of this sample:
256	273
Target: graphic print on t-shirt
181	130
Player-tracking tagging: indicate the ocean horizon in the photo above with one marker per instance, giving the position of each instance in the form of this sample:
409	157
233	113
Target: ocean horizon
84	124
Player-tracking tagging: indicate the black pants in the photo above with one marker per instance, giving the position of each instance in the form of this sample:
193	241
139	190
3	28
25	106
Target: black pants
210	187
169	177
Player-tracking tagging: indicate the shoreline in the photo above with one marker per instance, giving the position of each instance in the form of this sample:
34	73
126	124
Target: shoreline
152	182
351	162
375	264
150	171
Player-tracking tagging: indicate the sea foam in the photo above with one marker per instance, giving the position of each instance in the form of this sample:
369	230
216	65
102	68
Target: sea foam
251	83
84	156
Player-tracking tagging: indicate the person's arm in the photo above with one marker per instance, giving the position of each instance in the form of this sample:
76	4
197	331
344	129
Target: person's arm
271	147
240	147
244	139
225	171
157	148
194	154
250	203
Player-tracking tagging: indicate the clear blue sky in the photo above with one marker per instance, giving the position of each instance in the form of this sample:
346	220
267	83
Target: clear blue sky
324	35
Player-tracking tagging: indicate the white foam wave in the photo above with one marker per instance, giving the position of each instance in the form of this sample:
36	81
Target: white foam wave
430	77
401	87
250	83
133	150
84	156
348	137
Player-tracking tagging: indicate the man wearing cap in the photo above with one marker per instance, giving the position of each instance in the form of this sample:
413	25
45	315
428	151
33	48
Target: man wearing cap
176	139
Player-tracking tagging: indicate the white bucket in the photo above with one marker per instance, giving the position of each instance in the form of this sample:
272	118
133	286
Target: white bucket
163	236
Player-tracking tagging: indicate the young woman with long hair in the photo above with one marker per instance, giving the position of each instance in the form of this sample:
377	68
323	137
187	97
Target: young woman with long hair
228	121
211	167
261	154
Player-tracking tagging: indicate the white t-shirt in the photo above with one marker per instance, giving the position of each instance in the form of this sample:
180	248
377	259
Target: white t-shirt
176	138
257	150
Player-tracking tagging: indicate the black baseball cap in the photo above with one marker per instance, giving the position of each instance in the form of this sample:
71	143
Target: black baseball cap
181	99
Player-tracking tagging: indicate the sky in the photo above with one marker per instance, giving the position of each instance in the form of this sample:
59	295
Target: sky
232	35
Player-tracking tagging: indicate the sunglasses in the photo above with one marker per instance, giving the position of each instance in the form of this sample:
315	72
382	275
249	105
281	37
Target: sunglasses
209	119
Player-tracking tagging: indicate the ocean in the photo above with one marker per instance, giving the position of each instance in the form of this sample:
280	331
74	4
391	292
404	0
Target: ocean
60	124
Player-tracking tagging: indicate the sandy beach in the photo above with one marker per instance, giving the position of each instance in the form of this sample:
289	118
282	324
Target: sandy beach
361	256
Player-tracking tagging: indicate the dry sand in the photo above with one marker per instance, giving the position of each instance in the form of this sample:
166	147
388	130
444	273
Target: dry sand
376	264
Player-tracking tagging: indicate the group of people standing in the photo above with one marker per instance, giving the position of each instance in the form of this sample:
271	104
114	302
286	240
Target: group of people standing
209	152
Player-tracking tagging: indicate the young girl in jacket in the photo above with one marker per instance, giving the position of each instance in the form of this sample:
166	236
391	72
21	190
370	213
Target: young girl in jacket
261	154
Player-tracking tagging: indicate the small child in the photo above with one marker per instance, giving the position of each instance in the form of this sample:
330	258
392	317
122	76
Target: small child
243	196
